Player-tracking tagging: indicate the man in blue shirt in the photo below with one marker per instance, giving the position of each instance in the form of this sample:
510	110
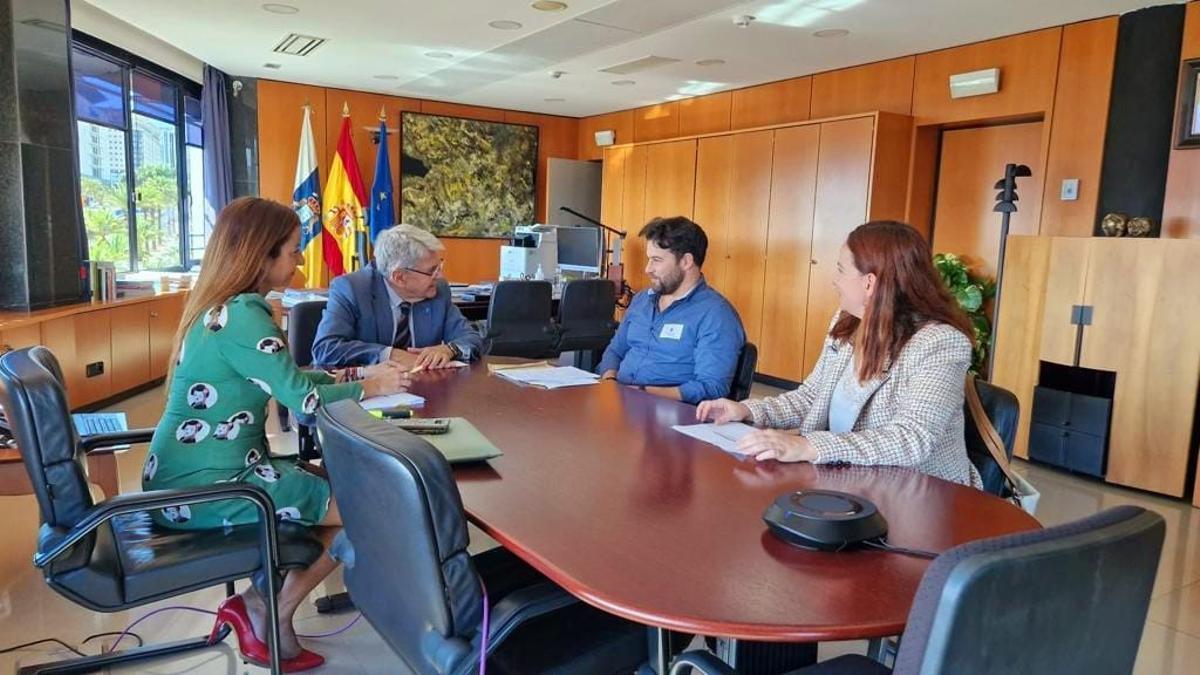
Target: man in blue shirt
680	339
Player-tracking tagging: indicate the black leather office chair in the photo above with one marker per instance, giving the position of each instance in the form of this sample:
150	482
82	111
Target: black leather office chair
585	319
404	548
520	320
1067	599
743	375
111	556
1004	411
303	320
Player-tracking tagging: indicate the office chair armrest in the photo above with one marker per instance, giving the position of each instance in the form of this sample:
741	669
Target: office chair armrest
110	439
159	499
522	605
699	661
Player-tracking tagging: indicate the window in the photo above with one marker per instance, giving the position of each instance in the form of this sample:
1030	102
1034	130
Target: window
140	160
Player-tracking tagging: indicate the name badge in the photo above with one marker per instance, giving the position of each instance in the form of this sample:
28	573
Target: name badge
671	331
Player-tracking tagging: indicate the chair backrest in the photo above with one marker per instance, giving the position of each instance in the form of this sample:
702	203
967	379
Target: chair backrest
35	404
1067	599
585	314
404	545
743	374
303	320
520	319
1004	411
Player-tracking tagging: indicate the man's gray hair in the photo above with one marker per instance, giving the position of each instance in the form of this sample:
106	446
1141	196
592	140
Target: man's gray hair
403	246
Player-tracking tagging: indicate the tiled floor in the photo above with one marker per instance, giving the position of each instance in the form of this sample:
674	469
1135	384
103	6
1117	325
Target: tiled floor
30	611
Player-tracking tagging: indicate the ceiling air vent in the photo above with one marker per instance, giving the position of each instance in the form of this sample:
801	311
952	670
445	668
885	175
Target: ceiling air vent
298	45
638	65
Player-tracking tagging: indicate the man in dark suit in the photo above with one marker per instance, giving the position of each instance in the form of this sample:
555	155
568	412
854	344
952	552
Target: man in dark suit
397	308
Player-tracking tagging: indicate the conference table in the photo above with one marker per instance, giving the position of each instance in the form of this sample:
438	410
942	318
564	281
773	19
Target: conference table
598	492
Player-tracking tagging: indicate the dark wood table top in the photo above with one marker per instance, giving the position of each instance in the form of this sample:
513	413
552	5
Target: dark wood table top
597	491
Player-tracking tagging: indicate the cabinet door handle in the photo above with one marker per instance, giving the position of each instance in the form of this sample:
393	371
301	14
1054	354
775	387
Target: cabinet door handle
812	262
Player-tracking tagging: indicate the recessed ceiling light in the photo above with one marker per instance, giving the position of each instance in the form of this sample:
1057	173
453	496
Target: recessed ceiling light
554	99
505	25
549	5
439	55
623	83
272	66
831	33
386	77
279	8
711	62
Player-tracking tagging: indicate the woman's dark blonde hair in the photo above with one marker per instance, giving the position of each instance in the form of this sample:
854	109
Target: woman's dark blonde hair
250	232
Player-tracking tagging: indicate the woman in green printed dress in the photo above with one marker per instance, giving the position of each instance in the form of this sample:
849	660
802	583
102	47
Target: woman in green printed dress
230	359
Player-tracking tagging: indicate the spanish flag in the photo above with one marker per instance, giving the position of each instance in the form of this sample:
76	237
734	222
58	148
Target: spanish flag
306	202
344	198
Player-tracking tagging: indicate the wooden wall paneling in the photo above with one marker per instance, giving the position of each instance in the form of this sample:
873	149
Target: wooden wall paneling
972	160
670	190
19	338
714	162
557	137
885	85
165	316
470	261
1143	292
705	114
458	110
656	122
843	180
279	118
922	178
1028	66
1181	207
1080	119
772	103
890	164
1065	281
1018	339
749	201
633	216
620	122
789	248
130	330
612	184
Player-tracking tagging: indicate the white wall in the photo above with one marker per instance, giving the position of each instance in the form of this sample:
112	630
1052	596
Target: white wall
102	25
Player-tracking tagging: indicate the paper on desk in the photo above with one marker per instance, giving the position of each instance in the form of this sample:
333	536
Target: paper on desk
549	377
493	367
448	364
392	400
724	436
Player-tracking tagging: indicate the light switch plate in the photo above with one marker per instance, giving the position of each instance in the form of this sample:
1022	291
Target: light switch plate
1070	190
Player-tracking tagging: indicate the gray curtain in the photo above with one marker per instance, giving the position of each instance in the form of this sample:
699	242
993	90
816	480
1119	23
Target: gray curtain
218	167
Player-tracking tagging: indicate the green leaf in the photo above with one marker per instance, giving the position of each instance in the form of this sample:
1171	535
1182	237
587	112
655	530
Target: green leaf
969	297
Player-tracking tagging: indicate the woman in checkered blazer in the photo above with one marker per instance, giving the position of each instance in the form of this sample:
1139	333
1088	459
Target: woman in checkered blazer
888	386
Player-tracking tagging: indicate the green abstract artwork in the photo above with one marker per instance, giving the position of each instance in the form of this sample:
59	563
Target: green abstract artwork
466	178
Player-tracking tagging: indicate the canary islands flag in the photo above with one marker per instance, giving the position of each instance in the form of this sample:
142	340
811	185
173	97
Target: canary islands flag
344	220
383	213
306	201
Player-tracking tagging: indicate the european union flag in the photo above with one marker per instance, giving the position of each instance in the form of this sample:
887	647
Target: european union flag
383	213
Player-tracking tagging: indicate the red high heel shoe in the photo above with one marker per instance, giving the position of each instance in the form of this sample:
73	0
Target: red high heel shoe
233	613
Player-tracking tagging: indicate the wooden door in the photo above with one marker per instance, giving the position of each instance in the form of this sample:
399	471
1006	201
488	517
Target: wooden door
1143	294
972	160
746	239
789	249
130	346
633	216
1065	279
843	183
165	316
714	159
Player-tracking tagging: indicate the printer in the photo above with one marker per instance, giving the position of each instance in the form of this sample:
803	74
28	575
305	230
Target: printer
533	253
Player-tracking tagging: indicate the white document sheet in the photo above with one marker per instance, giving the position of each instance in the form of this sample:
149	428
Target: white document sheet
724	436
392	400
549	377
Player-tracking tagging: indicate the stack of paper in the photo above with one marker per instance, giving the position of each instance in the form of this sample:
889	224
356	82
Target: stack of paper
547	377
404	399
724	436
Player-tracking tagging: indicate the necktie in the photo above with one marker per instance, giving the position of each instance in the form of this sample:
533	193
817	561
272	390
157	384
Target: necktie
403	333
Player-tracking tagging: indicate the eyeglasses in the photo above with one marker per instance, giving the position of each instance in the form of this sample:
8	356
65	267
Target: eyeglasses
432	273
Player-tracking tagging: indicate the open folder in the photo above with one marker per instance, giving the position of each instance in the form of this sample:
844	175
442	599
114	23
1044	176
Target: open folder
463	443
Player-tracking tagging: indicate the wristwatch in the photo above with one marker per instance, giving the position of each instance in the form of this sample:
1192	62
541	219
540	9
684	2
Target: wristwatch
455	352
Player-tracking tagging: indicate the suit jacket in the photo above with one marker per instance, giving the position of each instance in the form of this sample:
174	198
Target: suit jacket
358	323
912	414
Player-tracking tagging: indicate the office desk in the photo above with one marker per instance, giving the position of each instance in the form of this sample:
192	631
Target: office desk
596	491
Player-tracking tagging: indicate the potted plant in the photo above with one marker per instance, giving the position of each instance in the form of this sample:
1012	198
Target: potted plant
971	292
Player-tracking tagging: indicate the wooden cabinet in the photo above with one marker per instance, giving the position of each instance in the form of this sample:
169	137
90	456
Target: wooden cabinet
746	238
82	342
130	331
165	315
714	156
633	215
789	247
1064	290
20	337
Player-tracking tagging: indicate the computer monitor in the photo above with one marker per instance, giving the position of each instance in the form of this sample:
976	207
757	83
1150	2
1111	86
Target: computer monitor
579	249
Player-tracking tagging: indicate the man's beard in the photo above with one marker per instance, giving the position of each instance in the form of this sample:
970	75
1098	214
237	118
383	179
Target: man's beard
668	284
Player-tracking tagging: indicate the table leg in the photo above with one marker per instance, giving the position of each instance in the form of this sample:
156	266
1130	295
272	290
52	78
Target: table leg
877	650
102	470
660	650
727	651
